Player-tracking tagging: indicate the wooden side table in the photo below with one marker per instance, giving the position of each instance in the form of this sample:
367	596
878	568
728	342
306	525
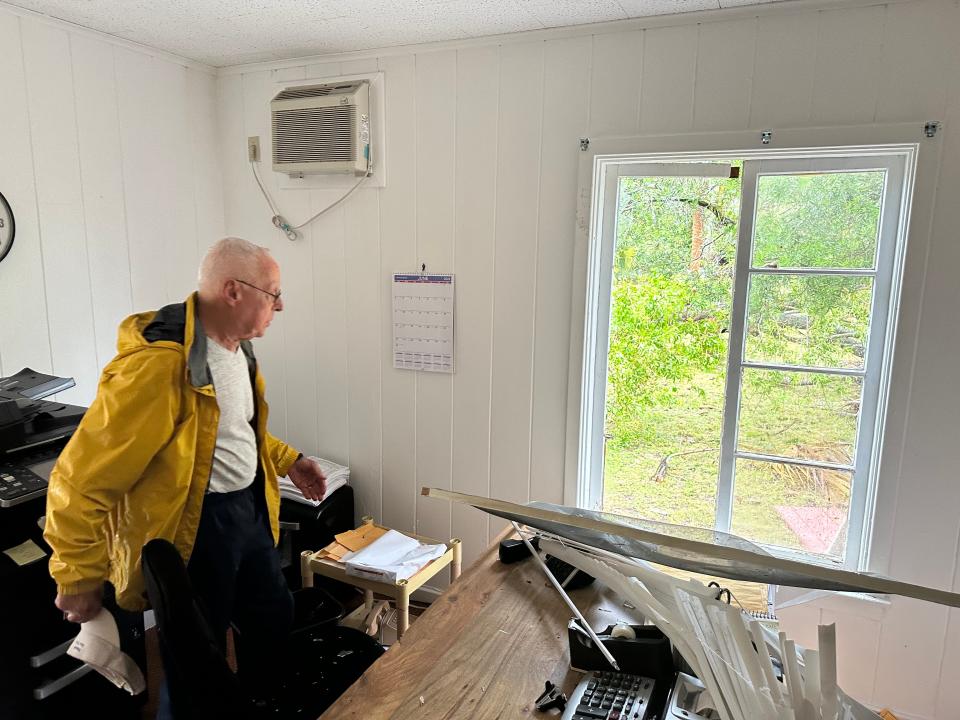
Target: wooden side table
399	591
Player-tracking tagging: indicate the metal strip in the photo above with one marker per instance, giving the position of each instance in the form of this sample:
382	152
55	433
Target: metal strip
846	272
51	654
848	372
762	457
48	689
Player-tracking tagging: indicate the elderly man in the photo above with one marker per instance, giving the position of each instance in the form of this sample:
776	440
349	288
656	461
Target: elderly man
175	446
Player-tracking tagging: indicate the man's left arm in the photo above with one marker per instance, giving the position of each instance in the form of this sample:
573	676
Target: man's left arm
304	473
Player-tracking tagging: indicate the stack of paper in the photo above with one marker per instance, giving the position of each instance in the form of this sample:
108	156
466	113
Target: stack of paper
337	477
392	557
351	541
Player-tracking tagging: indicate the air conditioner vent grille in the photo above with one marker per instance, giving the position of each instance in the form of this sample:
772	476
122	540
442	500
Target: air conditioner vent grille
314	91
324	134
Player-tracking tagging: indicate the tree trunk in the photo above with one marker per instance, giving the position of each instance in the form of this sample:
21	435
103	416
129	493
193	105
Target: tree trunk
696	246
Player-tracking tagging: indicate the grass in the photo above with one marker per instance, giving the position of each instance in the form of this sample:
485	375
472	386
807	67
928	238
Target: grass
800	420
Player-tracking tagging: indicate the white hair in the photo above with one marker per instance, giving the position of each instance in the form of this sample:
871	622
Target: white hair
230	258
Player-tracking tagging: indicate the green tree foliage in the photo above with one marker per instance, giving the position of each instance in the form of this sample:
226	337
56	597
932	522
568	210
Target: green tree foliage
671	301
656	340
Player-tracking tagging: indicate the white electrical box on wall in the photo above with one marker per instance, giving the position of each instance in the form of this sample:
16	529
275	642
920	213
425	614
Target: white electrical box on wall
327	132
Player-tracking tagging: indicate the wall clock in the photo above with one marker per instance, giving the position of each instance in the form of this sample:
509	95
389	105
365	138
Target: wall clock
8	227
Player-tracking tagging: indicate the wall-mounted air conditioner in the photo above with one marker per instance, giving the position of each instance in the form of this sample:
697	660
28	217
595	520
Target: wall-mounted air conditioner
322	129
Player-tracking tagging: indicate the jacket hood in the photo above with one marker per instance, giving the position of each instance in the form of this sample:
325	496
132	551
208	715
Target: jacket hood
174	327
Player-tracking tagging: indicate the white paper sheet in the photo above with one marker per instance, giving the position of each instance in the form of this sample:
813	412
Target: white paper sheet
391	557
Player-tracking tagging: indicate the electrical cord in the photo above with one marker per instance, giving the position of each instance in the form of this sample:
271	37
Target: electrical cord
280	222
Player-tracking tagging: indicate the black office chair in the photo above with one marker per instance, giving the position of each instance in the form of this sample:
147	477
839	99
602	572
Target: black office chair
321	659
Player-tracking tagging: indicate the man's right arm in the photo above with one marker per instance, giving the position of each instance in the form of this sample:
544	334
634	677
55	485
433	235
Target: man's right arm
132	417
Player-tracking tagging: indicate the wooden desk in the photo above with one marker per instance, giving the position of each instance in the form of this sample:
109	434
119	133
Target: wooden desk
483	649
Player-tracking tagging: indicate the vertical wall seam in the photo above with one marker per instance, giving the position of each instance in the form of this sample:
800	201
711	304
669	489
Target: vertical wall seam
883	54
753	71
643	62
123	181
493	284
380	280
453	264
193	129
536	276
83	204
816	64
416	258
36	191
696	73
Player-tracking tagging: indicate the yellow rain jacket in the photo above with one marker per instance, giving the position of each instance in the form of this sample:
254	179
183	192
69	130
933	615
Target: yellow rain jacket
138	465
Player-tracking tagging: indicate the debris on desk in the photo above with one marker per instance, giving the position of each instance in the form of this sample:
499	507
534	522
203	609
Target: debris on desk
551	697
629	605
504	632
422	701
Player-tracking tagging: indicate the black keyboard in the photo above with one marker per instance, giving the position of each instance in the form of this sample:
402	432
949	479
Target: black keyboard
610	696
19	484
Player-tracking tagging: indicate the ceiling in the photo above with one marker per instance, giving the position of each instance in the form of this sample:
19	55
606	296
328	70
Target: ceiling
232	32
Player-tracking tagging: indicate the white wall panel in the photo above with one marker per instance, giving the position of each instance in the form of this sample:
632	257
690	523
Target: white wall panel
670	67
616	69
299	349
783	74
911	87
943	290
478	82
146	242
519	133
101	171
205	172
48	74
24	335
398	253
173	175
847	65
364	285
566	86
436	129
327	237
725	58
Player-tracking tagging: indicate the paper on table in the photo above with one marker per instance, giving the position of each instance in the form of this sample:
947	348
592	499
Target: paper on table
363	536
392	557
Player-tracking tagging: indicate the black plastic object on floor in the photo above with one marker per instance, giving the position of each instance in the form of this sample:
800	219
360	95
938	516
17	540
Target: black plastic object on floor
513	550
321	660
561	571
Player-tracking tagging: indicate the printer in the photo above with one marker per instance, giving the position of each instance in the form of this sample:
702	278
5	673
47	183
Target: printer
32	433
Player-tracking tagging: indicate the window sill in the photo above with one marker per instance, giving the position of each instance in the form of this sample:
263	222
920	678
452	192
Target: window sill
865	605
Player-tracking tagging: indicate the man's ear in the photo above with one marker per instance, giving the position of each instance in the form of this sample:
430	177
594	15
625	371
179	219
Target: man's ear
231	292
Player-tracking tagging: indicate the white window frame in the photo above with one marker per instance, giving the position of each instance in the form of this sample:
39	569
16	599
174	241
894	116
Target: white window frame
600	168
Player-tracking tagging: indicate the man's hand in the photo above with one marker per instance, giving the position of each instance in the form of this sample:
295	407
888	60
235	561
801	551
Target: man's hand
308	476
82	607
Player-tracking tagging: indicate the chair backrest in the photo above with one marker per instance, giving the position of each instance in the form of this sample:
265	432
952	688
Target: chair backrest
200	682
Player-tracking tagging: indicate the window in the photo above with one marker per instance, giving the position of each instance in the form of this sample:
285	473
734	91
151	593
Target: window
738	335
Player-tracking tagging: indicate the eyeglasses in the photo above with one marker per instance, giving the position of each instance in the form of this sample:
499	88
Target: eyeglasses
275	296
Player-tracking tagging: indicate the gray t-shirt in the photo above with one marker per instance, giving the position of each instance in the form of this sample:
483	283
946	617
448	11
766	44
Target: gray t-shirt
235	454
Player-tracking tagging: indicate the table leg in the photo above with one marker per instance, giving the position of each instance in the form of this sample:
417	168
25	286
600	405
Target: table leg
403	612
457	557
306	574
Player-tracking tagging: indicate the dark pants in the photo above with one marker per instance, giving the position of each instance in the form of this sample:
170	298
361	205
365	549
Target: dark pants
235	573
